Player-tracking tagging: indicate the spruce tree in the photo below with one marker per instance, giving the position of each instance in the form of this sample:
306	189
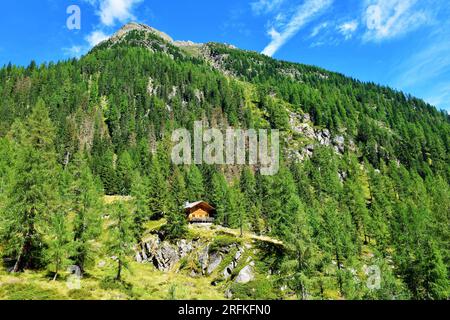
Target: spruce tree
220	198
124	173
196	189
139	191
158	193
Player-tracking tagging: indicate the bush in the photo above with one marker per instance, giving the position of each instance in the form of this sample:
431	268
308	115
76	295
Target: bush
222	241
260	289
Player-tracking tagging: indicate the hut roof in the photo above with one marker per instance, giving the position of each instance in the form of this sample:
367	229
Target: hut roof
198	203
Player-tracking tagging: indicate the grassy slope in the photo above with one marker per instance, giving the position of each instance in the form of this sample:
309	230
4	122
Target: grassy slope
142	281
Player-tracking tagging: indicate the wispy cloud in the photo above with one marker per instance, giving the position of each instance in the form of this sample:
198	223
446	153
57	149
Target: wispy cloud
303	14
265	6
427	64
317	29
347	29
386	19
440	96
96	37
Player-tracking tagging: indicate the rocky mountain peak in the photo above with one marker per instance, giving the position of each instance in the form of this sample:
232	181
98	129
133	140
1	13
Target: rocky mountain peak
140	27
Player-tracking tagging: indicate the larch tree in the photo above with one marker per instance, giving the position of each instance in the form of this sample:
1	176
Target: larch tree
33	191
85	199
120	236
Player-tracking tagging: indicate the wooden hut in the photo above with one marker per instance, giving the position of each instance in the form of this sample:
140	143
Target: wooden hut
199	212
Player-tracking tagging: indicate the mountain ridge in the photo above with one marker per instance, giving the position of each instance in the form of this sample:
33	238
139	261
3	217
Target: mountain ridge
363	180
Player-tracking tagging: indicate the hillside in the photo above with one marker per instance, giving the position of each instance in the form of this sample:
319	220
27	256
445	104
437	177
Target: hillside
363	183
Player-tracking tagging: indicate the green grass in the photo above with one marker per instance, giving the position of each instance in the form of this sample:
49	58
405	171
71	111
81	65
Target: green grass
141	281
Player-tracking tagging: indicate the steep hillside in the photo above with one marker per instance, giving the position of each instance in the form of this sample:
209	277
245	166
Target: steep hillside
361	202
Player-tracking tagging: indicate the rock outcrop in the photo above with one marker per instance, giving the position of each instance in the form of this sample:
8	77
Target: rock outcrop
245	275
302	126
165	256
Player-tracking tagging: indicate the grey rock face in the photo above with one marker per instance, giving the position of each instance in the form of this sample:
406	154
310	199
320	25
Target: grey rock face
165	258
245	275
184	247
214	260
203	259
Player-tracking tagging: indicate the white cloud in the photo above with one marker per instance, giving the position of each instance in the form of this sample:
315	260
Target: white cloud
96	37
317	29
303	14
265	6
387	19
347	29
112	11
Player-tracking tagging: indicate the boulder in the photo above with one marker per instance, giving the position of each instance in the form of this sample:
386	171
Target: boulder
214	260
228	270
245	275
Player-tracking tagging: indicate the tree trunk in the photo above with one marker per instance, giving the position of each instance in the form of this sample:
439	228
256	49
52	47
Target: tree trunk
16	265
119	270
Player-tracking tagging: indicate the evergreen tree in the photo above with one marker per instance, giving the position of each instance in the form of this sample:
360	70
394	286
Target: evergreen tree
220	198
85	199
60	244
139	191
120	237
251	201
196	190
124	173
159	196
236	208
32	193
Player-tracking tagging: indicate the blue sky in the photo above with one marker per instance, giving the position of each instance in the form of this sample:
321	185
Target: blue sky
401	43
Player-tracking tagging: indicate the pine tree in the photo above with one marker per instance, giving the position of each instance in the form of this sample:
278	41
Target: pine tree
120	237
251	201
236	207
178	190
220	198
85	201
124	173
139	191
60	245
298	265
105	168
158	195
196	190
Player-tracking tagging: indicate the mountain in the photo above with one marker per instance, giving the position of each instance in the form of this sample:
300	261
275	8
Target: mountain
361	200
